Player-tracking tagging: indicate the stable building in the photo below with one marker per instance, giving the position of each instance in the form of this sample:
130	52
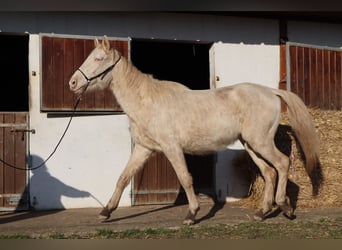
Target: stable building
41	50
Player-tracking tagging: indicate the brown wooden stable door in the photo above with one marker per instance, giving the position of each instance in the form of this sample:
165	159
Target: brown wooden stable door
61	57
13	183
315	74
157	183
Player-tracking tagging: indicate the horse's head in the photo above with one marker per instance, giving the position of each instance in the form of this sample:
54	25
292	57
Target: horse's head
95	70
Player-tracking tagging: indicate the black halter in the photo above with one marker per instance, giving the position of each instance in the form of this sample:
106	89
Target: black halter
102	74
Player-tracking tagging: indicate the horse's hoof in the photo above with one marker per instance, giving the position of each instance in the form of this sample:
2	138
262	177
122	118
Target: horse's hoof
188	222
259	216
288	211
104	214
190	218
103	218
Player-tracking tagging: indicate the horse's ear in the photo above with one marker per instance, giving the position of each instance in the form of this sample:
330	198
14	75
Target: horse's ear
96	42
105	43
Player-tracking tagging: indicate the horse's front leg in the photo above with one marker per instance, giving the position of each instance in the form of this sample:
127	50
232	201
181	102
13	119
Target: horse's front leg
176	157
136	162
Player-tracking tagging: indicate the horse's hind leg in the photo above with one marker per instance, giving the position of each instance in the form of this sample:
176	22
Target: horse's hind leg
269	174
135	163
282	164
176	157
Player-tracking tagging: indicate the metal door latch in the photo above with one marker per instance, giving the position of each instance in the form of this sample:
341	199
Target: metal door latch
23	131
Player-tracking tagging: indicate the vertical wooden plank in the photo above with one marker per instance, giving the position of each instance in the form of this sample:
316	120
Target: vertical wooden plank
136	182
108	99
78	60
314	93
143	185
282	64
116	45
293	69
300	73
339	81
47	72
326	75
9	173
58	71
152	183
125	50
69	69
332	82
136	187
306	90
89	96
20	155
100	97
320	77
283	73
162	183
140	184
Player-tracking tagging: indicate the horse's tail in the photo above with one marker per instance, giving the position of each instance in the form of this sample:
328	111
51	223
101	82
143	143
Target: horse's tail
304	129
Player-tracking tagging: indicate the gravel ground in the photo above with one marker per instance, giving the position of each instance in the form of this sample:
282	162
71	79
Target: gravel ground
83	221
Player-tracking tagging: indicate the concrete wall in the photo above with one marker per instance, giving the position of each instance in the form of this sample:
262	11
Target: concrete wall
84	169
145	25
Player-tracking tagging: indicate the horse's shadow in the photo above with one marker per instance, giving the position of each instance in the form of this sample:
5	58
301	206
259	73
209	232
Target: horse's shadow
216	207
141	213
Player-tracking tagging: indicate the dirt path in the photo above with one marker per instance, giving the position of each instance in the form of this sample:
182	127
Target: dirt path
80	221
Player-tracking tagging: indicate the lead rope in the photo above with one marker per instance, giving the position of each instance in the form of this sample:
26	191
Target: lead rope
102	75
59	141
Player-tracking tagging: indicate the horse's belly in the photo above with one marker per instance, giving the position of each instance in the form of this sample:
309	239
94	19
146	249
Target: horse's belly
210	141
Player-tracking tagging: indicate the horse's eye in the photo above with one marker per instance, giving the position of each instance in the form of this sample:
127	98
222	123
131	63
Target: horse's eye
99	59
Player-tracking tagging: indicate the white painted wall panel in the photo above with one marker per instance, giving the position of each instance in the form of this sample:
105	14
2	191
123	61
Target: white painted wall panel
231	64
86	166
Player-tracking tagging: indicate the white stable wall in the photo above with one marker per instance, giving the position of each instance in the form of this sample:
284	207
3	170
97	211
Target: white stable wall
84	170
231	64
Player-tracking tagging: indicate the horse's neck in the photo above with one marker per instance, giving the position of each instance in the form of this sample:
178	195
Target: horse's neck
130	87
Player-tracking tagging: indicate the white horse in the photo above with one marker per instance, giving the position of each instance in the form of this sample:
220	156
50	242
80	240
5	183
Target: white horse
167	116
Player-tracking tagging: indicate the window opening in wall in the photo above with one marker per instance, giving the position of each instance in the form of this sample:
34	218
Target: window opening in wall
14	72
